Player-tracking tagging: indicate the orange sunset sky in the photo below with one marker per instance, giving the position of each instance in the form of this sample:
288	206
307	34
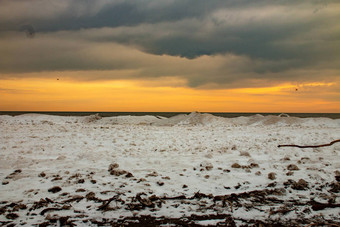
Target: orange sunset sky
171	56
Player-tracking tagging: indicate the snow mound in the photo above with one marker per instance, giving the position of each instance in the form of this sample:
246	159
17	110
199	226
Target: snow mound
39	119
133	120
194	118
274	120
92	118
282	120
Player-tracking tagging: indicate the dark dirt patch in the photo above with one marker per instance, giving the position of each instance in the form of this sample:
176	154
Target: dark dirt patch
12	216
54	189
217	208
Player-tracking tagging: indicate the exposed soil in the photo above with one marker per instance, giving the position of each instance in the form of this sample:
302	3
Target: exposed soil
218	209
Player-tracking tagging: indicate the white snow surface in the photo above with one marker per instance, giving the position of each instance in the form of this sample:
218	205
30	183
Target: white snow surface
170	157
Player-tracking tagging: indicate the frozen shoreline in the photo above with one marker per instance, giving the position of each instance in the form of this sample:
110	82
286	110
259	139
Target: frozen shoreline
167	114
165	157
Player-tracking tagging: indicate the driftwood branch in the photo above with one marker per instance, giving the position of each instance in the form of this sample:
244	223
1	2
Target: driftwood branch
310	146
107	202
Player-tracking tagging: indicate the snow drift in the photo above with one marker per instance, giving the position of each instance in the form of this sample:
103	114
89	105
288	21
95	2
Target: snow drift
108	170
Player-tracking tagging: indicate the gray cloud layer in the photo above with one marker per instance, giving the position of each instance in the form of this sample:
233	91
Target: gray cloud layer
238	39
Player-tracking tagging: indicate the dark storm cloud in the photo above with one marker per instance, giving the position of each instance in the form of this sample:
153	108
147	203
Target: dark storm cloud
285	33
241	39
77	14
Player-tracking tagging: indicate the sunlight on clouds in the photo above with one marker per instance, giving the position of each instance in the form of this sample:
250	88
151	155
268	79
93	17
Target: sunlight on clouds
155	95
280	89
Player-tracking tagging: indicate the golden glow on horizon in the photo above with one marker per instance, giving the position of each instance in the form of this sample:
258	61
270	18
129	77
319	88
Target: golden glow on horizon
281	88
147	96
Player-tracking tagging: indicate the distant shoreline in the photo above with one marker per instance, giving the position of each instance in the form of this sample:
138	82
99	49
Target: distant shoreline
165	114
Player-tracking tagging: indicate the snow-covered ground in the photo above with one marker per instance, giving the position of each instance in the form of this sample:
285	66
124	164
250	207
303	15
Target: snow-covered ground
91	170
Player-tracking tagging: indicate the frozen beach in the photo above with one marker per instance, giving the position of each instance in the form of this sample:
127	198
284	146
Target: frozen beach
195	169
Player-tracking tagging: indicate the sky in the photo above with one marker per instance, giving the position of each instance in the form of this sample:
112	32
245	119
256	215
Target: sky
170	55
